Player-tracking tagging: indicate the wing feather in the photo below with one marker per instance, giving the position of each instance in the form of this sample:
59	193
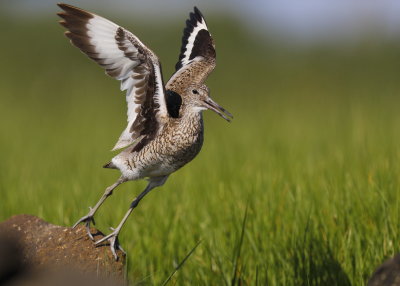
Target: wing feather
197	56
125	58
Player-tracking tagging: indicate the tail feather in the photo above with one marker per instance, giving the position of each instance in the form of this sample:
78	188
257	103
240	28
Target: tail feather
110	165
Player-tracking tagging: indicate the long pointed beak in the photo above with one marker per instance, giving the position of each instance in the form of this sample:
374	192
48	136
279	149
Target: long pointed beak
212	105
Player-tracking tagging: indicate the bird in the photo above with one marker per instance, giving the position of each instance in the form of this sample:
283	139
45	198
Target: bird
165	128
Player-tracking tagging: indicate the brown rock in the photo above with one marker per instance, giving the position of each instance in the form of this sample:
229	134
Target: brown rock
45	246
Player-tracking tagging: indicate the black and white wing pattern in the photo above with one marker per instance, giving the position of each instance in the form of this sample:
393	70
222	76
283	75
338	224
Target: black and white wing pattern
127	59
197	56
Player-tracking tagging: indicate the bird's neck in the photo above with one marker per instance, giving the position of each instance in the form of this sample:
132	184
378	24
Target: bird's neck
191	117
191	113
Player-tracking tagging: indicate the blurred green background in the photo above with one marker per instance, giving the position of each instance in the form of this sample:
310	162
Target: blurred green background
312	153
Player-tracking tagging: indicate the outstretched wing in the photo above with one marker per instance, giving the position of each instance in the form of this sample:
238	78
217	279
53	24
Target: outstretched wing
197	56
127	59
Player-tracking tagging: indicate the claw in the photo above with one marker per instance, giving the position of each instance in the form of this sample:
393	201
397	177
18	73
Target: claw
114	243
122	250
87	220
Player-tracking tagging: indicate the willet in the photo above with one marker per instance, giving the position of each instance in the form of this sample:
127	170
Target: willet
165	125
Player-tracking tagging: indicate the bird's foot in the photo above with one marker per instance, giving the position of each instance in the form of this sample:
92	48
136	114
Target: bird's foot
87	219
114	243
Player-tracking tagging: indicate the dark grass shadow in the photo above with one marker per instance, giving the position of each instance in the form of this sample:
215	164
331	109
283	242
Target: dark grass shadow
315	264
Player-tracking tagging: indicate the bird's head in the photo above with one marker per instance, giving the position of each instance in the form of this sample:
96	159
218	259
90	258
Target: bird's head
198	99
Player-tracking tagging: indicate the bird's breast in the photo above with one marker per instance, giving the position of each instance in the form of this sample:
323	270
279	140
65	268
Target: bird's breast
182	141
177	144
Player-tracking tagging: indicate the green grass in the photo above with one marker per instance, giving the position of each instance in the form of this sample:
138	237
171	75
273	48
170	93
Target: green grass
312	155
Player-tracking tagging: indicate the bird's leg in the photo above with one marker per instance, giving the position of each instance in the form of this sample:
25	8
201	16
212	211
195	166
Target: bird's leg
113	237
87	219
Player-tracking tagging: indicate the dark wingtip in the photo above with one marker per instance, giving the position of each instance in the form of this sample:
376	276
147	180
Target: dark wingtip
72	10
197	12
65	6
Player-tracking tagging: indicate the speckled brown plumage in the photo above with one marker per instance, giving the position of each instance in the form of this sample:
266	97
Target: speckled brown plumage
177	144
165	127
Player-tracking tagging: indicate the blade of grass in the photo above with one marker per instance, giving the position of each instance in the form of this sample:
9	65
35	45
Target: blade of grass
236	274
181	263
256	275
219	264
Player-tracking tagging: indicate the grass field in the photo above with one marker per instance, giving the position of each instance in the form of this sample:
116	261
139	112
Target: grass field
313	154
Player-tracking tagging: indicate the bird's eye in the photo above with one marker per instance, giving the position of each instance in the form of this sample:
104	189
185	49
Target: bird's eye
194	91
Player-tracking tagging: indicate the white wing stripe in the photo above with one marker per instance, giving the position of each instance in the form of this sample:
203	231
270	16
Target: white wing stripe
200	26
102	36
159	92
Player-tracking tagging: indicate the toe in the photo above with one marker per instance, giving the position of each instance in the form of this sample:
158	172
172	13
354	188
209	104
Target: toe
122	250
104	239
88	231
113	250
